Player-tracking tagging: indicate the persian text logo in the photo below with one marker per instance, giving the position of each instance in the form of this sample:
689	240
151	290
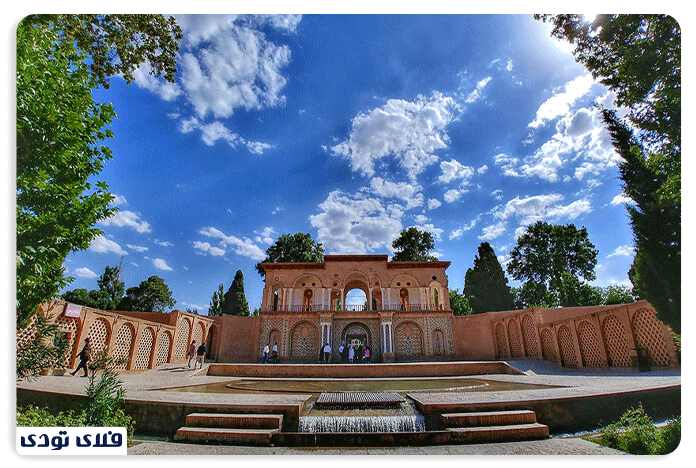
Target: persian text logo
72	441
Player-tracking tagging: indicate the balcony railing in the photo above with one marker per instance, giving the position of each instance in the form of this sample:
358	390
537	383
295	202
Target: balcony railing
355	308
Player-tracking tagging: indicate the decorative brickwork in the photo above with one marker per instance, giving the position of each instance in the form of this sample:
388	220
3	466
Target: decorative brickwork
182	342
565	343
165	343
614	336
198	334
124	344
515	339
98	335
529	336
142	360
548	348
305	342
408	341
501	341
589	345
649	336
68	326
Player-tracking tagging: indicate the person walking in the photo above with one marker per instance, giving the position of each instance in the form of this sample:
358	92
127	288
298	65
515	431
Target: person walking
84	356
200	355
192	352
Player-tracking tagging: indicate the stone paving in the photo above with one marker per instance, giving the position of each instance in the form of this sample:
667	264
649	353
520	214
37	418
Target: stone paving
151	385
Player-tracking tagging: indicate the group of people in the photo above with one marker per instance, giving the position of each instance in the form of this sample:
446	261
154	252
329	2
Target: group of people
348	354
197	352
270	355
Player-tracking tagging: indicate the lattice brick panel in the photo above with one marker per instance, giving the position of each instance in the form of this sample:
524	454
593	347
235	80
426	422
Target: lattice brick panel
267	327
443	324
614	335
565	342
529	335
68	325
198	334
408	340
98	335
165	343
515	339
547	347
182	337
304	341
142	361
124	344
589	345
27	332
501	341
648	332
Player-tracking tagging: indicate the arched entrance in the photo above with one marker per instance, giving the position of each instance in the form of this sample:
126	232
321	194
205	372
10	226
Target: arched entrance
356	334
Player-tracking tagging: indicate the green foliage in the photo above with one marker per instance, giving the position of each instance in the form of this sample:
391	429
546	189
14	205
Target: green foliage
485	285
152	295
413	245
459	304
636	433
617	294
45	349
235	302
107	297
295	248
555	257
35	416
217	302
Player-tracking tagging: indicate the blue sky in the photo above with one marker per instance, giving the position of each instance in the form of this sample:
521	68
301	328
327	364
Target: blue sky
352	128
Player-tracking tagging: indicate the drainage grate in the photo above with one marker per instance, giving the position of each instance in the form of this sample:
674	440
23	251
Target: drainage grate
359	399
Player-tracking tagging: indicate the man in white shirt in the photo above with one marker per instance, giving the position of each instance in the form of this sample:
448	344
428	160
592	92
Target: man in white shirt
327	353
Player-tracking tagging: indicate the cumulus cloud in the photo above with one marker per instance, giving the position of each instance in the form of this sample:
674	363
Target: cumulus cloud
559	104
493	231
159	86
453	195
137	248
454	170
214	131
433	203
161	265
355	224
405	191
125	218
621	199
409	132
622	251
476	94
103	245
265	236
85	273
457	233
541	207
243	247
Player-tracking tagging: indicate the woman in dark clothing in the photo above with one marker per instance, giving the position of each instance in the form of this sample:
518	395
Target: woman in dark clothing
84	359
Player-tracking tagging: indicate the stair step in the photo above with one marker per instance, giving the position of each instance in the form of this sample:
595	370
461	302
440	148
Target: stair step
245	421
226	434
499	433
489	418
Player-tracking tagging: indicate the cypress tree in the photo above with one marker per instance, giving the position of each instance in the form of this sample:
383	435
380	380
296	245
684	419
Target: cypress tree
486	285
235	302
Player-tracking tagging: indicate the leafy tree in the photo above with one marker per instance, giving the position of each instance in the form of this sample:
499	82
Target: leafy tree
152	295
459	303
617	294
107	297
638	57
485	285
554	258
60	133
295	248
217	302
43	350
235	302
413	245
656	225
531	294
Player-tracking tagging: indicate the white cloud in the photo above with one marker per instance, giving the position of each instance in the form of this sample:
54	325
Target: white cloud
103	245
137	248
453	195
622	199
457	233
622	251
265	236
159	86
541	207
214	131
401	190
493	231
118	200
161	265
243	247
436	232
206	247
482	170
125	218
85	273
164	243
433	203
475	95
410	132
454	170
355	224
560	103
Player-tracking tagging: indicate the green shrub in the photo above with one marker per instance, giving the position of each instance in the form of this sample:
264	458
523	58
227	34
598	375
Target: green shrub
636	433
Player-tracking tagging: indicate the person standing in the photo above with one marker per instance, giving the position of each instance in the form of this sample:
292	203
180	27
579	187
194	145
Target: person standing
192	352
327	353
84	356
367	354
351	354
341	353
266	350
200	355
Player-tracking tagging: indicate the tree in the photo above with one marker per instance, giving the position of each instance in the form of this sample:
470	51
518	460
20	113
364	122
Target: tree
235	302
152	295
110	284
553	258
617	294
459	304
60	133
638	57
217	302
413	245
486	285
656	224
295	248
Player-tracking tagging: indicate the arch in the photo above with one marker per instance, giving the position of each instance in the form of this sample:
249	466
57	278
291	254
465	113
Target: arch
589	345
123	347
501	341
614	335
307	299
548	350
277	296
565	344
304	342
145	348
211	341
514	338
164	348
357	331
439	348
307	280
273	337
436	295
99	333
649	336
404	280
198	334
408	340
182	339
529	336
359	300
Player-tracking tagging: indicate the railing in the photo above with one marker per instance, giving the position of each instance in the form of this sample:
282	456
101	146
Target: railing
355	308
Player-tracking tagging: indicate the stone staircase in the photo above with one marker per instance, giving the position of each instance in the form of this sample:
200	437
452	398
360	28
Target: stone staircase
494	426
245	429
